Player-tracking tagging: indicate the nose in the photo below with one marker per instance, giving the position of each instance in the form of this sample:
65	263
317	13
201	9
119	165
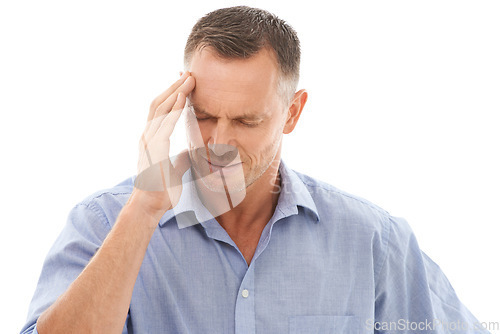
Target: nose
221	140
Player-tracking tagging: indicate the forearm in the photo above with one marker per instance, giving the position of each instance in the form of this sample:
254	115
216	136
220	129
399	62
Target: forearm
98	300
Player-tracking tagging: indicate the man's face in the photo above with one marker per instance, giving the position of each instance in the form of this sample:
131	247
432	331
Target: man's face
236	119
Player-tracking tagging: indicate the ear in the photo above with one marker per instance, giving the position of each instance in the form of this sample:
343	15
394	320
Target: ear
294	111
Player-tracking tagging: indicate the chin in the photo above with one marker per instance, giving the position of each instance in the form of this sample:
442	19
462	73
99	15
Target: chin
220	180
215	184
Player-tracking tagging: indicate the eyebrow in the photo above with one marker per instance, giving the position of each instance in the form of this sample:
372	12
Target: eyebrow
243	116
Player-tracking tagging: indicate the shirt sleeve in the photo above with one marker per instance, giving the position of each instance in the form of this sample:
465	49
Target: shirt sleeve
81	237
412	293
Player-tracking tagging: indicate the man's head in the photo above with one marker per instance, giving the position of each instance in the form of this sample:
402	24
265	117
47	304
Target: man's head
241	32
246	65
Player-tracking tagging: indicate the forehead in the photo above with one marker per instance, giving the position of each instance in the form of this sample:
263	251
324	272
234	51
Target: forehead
234	82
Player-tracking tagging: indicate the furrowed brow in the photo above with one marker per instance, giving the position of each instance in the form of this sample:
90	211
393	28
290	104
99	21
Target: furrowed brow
244	116
198	110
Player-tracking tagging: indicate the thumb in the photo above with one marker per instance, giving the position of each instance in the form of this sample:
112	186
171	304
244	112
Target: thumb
182	162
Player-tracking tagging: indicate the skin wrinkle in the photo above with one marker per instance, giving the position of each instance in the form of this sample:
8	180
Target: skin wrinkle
286	84
249	116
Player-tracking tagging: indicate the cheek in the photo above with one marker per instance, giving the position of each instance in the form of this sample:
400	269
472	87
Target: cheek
258	143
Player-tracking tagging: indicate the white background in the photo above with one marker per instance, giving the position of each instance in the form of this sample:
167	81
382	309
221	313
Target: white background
403	97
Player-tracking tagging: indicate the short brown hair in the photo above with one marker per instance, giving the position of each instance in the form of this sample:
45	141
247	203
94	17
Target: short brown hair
241	32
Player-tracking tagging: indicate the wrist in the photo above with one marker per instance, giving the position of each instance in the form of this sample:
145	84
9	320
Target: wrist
139	206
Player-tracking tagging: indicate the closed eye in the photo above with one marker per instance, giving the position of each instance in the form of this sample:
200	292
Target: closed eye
248	124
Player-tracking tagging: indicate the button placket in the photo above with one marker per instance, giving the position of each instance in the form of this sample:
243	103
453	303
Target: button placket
245	304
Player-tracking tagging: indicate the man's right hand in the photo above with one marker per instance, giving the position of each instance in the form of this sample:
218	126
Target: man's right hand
158	185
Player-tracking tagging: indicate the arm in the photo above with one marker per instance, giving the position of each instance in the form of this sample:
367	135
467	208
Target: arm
98	299
413	293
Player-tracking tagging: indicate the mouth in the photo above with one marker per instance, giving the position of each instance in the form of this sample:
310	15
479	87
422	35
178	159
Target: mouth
220	165
209	163
216	162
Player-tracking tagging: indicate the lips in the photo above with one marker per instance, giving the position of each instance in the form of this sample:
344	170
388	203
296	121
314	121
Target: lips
219	163
209	162
222	165
229	161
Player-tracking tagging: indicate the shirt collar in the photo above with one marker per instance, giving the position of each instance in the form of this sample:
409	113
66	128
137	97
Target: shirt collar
293	194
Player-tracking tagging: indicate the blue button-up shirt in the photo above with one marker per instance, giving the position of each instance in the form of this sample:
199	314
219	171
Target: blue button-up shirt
326	262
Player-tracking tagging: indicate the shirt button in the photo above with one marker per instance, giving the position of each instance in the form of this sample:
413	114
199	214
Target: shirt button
244	293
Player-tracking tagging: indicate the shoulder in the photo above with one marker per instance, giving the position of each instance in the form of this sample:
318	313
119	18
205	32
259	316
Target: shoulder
355	218
343	205
107	203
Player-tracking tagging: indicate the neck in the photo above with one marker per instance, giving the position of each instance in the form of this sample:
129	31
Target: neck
259	204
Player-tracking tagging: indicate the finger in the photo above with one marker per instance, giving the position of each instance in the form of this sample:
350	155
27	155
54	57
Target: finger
156	144
164	108
168	123
161	127
163	96
146	150
167	105
151	127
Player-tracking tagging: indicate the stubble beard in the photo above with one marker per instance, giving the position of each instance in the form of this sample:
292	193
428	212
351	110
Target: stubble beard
214	184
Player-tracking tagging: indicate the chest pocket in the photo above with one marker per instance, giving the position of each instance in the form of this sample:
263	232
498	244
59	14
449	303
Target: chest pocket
323	324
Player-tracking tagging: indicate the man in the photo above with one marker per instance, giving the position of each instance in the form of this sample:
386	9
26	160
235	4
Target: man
226	238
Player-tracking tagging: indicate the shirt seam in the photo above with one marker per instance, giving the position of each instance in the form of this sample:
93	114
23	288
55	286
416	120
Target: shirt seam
97	211
385	242
341	193
109	193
